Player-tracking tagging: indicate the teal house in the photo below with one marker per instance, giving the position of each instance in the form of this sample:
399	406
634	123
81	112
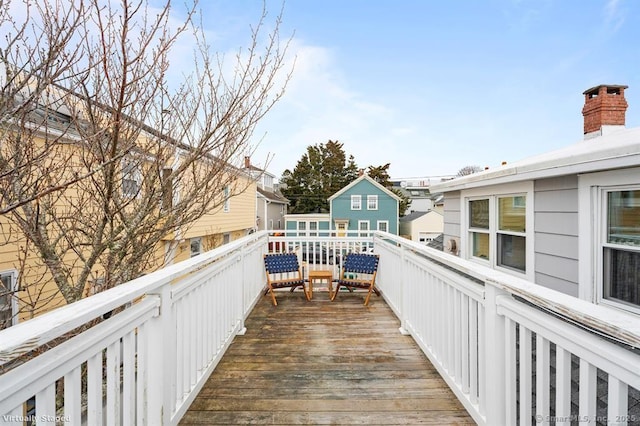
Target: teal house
362	206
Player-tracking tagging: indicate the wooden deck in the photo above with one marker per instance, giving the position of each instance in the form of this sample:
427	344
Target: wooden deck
324	362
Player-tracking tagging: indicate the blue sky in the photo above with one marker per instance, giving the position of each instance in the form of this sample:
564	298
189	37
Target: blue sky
433	86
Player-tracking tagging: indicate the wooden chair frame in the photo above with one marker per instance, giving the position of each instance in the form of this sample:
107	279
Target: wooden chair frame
283	270
359	271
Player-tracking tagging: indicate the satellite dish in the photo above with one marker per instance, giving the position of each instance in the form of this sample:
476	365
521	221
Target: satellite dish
403	184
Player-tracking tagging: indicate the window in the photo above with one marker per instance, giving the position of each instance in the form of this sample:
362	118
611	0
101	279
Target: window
479	228
356	202
511	233
131	178
302	228
383	225
227	201
372	202
621	247
609	229
226	238
496	228
363	227
313	229
8	301
196	246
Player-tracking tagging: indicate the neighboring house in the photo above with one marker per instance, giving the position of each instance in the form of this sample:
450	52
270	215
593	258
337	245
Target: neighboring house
309	224
420	198
422	227
271	205
234	220
362	206
569	219
26	286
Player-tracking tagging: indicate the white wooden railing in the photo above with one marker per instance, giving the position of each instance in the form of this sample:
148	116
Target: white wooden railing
504	345
144	364
486	332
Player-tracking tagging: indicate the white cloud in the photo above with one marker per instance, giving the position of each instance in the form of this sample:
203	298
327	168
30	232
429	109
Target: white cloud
318	106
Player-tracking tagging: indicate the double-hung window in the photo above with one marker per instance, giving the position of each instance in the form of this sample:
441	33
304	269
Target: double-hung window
356	202
610	253
372	202
497	228
621	247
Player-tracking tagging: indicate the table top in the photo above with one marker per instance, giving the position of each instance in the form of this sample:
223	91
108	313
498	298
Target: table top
320	273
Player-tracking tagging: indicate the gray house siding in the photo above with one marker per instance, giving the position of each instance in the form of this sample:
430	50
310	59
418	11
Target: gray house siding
451	227
556	233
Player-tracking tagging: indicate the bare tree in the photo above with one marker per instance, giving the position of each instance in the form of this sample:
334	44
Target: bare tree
468	170
110	156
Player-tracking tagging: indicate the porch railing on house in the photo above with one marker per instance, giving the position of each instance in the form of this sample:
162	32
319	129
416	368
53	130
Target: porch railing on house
511	351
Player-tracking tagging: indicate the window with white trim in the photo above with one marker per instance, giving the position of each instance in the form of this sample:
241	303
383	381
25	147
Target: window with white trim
8	300
383	225
302	229
609	229
372	202
498	230
356	202
313	229
363	228
620	245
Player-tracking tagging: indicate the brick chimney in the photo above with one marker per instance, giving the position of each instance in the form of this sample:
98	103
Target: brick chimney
247	162
604	108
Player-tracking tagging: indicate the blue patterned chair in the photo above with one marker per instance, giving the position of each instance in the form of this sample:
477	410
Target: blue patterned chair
283	271
359	271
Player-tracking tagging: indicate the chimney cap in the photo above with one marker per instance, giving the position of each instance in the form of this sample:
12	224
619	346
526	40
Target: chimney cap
595	89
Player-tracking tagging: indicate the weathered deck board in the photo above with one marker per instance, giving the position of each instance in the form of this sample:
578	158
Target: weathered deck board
324	362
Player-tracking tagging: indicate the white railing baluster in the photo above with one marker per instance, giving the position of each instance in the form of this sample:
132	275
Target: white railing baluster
94	389
73	397
142	374
113	405
543	378
46	406
510	372
482	361
473	351
618	402
129	379
464	348
457	337
588	387
563	387
525	375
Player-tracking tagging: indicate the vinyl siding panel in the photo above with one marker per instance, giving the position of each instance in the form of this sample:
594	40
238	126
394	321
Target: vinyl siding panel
556	241
451	225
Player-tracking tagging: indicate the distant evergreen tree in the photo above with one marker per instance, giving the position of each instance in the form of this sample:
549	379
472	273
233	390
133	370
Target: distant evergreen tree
321	172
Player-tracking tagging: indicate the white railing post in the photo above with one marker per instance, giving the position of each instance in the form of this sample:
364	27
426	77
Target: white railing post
243	285
404	330
161	356
494	358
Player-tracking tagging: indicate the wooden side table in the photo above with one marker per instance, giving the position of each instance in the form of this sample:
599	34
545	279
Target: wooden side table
320	275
